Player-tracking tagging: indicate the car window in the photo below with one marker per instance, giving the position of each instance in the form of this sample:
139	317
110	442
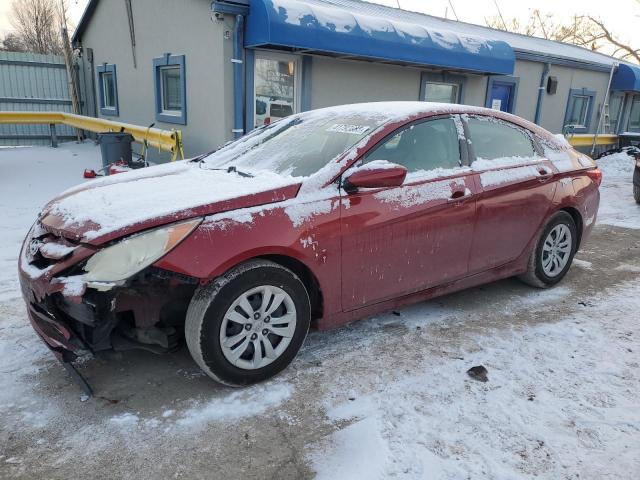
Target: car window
422	146
493	139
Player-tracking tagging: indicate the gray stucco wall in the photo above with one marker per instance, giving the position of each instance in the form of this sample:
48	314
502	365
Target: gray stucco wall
554	106
528	74
336	82
177	27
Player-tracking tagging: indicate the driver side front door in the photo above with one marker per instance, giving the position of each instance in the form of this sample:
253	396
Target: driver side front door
400	240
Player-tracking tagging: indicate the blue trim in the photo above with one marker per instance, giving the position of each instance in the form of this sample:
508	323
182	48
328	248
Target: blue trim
233	7
238	100
626	78
307	63
442	77
249	66
417	42
507	80
582	92
100	70
561	61
164	61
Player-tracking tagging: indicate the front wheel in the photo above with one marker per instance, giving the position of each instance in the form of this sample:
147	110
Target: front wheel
249	324
550	260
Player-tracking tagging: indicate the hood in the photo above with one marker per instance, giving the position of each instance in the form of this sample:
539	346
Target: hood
102	210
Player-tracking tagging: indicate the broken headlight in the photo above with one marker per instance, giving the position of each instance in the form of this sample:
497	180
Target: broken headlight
127	257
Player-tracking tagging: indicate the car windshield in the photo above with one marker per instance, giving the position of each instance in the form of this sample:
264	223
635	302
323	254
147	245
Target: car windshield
299	145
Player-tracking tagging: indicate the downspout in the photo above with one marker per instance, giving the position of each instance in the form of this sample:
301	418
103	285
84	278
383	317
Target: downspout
541	89
238	96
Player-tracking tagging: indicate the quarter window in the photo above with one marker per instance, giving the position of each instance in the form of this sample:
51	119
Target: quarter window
423	146
494	139
170	89
107	89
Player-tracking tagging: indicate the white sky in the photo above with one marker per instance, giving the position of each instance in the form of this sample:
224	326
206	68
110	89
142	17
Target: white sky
621	16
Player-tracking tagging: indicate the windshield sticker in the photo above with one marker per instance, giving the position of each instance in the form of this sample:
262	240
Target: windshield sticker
344	128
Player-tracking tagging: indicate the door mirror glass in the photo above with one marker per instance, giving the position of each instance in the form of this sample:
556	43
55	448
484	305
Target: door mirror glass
376	174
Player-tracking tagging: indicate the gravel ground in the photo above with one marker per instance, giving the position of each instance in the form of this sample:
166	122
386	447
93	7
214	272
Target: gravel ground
386	397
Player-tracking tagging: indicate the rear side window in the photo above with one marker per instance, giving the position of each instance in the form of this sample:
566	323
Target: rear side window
423	146
493	139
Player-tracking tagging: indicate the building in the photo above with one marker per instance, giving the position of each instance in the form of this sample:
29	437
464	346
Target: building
217	69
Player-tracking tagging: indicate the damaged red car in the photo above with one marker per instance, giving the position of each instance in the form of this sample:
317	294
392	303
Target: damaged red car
316	220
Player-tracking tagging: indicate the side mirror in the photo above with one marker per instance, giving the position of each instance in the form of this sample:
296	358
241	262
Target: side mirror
377	174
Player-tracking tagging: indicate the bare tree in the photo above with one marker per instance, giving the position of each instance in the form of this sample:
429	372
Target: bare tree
581	30
12	43
37	24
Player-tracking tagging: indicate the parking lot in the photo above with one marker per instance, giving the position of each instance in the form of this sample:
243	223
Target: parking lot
385	397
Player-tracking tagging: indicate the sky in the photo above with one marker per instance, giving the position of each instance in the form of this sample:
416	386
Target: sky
621	16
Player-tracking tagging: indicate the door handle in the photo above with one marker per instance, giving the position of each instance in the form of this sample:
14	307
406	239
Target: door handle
460	196
545	174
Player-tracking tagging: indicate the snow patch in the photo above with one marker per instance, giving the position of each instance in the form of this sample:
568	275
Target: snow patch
500	177
239	404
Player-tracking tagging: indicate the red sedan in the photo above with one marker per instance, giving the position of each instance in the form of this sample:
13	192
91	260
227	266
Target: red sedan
319	219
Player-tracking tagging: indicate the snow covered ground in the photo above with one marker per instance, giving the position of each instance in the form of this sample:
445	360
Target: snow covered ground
387	397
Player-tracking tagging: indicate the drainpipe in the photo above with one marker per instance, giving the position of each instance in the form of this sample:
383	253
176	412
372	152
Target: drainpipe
541	89
238	97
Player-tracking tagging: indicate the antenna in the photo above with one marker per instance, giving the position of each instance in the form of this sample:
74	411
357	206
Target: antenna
500	14
453	10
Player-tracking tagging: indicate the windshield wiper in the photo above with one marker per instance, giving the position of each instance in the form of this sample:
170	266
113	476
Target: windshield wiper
230	169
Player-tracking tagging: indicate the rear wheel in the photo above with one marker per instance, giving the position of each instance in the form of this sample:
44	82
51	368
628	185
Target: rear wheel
249	324
636	193
552	257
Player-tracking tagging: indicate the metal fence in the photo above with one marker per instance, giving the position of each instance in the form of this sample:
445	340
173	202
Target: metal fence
34	83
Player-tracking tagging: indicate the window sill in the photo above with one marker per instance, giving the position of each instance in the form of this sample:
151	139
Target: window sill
179	119
111	112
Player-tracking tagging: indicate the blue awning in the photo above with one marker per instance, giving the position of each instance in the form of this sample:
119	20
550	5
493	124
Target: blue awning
626	78
356	29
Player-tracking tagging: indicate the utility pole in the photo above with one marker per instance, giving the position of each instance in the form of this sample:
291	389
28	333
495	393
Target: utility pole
68	61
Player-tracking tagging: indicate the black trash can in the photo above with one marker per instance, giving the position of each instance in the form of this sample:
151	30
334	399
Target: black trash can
114	147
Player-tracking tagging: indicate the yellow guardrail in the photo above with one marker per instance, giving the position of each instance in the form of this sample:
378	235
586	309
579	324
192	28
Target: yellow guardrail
586	139
167	140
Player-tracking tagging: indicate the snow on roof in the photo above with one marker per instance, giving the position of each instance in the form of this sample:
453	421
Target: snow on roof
519	42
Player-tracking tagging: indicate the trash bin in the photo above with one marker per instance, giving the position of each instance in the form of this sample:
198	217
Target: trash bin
114	147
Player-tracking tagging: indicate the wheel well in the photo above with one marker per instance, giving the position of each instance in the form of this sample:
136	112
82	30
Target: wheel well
308	278
577	218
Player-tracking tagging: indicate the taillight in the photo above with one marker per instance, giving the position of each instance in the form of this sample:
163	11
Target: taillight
595	175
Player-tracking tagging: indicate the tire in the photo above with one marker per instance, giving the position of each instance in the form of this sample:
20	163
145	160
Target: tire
221	338
636	193
539	274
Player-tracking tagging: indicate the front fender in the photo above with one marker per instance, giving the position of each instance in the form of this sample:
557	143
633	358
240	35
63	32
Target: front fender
225	240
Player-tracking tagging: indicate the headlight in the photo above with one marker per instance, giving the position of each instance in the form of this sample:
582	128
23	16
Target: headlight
128	257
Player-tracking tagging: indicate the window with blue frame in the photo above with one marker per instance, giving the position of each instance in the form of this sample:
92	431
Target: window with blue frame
634	114
108	89
616	101
441	87
170	89
579	110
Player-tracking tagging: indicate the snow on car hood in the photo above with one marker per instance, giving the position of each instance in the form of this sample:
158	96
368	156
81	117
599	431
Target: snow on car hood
104	209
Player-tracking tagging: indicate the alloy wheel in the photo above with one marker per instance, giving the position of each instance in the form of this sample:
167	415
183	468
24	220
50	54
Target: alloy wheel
556	250
258	327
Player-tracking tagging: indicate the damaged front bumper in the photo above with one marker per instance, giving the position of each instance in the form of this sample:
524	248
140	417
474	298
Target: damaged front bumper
74	318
